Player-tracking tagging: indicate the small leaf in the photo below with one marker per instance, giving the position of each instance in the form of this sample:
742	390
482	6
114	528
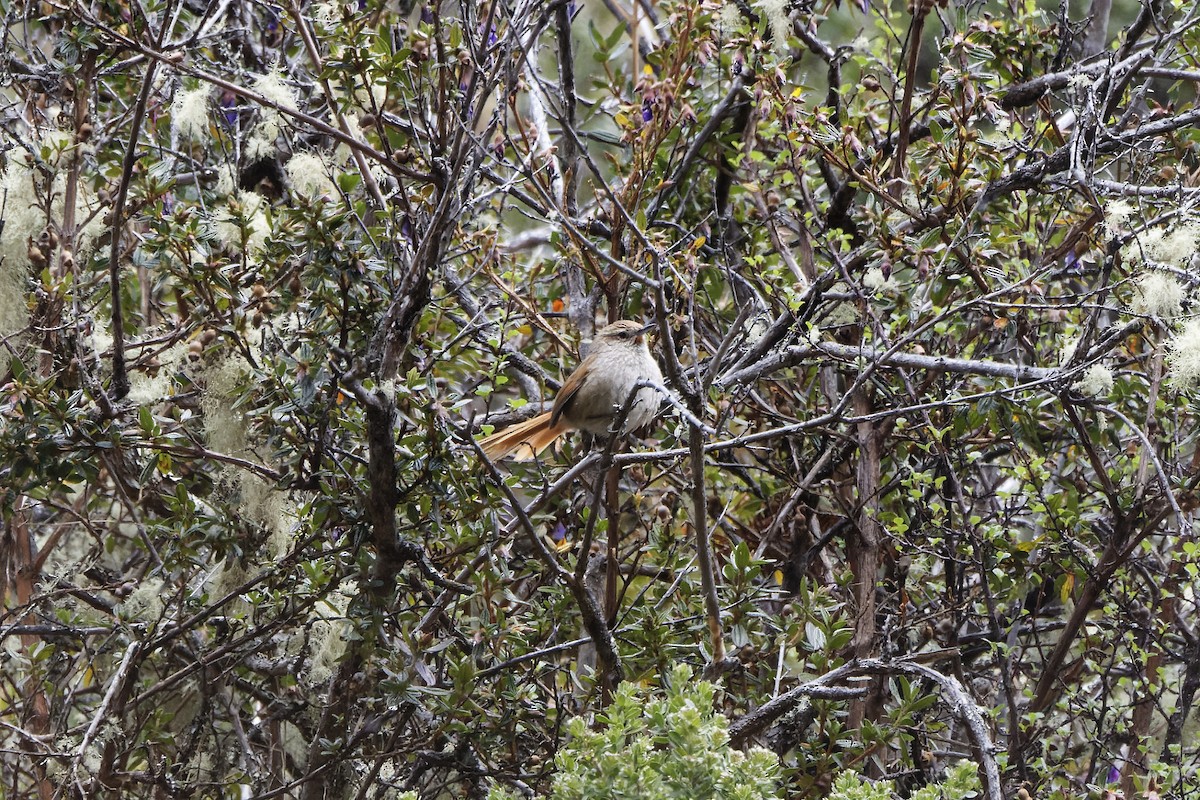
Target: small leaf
1068	586
814	636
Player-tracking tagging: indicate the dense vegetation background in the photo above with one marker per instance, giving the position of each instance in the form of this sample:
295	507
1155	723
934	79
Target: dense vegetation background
925	281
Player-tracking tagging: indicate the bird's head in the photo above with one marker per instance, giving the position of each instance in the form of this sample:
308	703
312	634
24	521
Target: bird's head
624	331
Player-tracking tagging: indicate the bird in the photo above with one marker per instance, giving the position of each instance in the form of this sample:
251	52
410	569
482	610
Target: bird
593	395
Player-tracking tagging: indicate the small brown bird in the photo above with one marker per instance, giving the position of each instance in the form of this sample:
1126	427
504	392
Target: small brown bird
592	397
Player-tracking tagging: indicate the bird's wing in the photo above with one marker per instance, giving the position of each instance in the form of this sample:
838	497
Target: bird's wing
567	395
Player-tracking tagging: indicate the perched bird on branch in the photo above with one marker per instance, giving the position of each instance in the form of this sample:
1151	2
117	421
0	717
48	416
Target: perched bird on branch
593	396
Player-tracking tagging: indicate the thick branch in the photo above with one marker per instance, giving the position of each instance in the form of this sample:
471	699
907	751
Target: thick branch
1027	93
953	694
791	356
708	581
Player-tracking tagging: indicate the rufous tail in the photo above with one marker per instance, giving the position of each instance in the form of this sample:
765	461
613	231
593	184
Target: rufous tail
524	440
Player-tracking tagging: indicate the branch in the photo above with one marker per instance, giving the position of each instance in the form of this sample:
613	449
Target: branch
1027	93
727	104
1122	540
120	376
1149	11
114	688
913	45
953	694
760	718
791	356
1096	35
175	59
592	616
1138	190
1185	525
708	581
310	45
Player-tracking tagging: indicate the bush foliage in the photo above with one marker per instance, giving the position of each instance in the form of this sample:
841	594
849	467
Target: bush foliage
922	500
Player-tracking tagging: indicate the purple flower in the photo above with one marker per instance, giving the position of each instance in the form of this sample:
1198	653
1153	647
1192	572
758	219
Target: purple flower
647	112
426	15
229	103
1114	774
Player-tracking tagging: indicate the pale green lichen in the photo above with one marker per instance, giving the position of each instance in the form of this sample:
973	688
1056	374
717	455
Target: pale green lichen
779	21
1117	214
874	280
1159	295
261	141
224	426
330	635
23	209
1097	381
728	18
309	175
1183	356
146	388
1173	246
145	602
242	225
189	114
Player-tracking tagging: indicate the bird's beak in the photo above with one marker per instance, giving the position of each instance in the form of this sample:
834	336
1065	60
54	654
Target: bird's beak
647	327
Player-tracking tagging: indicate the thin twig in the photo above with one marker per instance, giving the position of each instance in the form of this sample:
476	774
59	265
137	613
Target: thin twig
120	382
115	686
